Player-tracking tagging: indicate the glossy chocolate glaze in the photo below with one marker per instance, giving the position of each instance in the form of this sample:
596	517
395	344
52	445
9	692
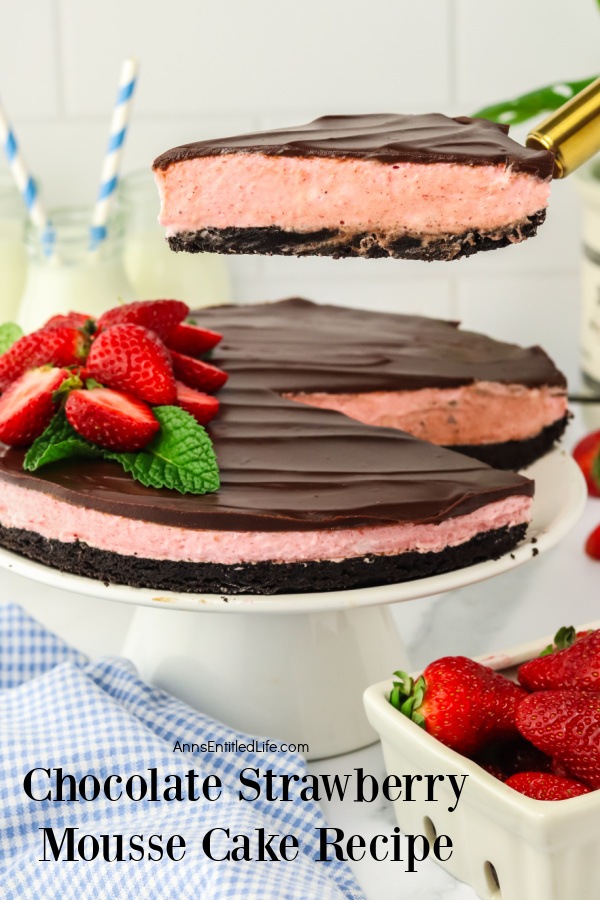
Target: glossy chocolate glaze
296	345
285	466
386	138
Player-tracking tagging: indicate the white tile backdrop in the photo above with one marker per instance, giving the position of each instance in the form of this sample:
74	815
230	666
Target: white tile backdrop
210	68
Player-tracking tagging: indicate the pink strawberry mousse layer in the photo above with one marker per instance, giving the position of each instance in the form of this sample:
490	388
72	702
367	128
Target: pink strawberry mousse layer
482	413
296	194
56	520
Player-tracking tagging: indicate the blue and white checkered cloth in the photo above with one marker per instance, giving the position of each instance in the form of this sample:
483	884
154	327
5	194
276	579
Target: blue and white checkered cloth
59	710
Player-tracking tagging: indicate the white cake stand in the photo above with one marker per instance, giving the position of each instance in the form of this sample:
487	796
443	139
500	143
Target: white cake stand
294	666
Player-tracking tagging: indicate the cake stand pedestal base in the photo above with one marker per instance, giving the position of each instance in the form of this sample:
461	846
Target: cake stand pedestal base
297	678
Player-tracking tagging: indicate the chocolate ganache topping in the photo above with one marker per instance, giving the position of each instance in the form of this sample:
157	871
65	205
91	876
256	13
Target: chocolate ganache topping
386	138
289	467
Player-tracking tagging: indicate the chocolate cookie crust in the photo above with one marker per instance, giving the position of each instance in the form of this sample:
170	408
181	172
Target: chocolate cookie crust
337	243
516	454
257	578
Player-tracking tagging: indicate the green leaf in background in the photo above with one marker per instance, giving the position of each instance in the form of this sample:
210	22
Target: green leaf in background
9	333
180	457
58	441
596	470
535	103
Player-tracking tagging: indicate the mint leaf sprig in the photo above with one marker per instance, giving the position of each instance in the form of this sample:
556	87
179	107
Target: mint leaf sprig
534	103
181	455
58	441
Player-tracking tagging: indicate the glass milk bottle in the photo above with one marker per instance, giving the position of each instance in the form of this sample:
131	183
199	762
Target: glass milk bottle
13	260
155	271
64	273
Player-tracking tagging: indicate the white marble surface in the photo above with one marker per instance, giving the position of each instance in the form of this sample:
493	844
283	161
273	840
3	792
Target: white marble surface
560	587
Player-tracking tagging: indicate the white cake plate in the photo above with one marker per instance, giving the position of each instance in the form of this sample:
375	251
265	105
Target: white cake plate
294	666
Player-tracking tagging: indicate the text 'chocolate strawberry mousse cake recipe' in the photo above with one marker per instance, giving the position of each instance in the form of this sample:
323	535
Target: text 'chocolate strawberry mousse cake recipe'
320	486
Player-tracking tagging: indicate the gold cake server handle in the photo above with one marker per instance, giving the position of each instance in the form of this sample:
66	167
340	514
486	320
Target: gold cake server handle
572	132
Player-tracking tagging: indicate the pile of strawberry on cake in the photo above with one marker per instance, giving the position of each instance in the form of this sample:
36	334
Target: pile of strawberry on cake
107	375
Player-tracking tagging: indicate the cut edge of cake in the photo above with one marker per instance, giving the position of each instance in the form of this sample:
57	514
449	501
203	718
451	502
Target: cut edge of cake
426	187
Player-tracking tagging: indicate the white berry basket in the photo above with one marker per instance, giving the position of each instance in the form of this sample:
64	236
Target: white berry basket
505	846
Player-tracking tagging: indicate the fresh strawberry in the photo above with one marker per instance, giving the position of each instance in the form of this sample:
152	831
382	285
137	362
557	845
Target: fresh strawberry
565	725
159	316
197	374
59	346
111	419
28	404
192	340
585	454
577	667
462	703
544	786
77	320
592	544
133	359
202	407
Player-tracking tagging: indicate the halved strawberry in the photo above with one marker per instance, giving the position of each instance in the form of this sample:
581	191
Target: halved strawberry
111	419
159	316
192	340
592	544
62	345
584	454
545	786
133	359
201	406
197	374
27	406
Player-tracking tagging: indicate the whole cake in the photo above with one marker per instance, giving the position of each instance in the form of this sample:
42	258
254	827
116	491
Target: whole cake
310	499
414	186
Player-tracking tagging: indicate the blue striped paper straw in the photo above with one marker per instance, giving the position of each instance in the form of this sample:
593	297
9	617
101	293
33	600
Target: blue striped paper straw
110	168
24	181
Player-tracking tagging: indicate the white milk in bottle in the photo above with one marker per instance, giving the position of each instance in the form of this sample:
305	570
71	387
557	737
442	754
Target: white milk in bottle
155	271
65	273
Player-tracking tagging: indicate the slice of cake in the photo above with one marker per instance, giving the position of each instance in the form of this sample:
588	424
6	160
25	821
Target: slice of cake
310	499
418	187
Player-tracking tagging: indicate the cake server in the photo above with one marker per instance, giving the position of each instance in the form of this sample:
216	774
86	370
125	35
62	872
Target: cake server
572	132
